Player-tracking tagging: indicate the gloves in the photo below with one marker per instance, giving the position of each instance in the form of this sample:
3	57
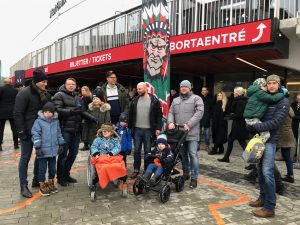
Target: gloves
251	129
96	153
110	154
61	149
23	136
39	152
94	120
75	112
157	162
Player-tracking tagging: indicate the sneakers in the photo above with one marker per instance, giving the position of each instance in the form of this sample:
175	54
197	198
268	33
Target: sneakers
70	179
62	182
44	190
186	176
193	184
134	175
52	187
207	148
289	179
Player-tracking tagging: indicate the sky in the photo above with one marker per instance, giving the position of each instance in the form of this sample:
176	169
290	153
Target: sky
21	21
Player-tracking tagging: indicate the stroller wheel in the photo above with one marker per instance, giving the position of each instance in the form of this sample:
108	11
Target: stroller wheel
164	193
138	187
93	196
179	183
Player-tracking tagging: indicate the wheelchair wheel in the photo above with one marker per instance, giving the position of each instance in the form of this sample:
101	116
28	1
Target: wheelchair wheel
179	184
138	187
164	193
91	170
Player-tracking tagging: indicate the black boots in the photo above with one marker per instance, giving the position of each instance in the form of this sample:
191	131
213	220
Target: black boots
25	191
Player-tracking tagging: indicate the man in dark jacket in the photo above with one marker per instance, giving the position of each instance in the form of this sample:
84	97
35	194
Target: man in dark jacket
70	111
7	101
272	121
116	96
296	120
28	102
145	120
205	121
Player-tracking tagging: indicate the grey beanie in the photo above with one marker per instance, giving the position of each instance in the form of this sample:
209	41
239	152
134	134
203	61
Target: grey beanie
273	77
186	83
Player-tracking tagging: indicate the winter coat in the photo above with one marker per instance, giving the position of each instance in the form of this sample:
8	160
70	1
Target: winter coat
7	101
286	138
155	113
123	98
65	102
219	125
86	100
238	129
46	135
258	101
273	119
208	110
28	102
165	156
126	140
296	119
103	145
188	109
90	128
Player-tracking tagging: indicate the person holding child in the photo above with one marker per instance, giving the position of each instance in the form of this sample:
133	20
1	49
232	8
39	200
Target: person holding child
160	156
48	143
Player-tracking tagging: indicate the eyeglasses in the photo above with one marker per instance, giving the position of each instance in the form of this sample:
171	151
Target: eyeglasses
113	77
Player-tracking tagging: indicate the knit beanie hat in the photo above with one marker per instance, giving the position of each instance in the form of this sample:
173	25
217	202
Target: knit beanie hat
260	82
123	117
273	77
186	83
49	106
162	138
39	75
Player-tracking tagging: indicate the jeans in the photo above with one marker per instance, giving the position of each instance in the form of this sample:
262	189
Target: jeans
13	129
206	135
286	154
51	161
67	158
26	151
190	161
230	146
141	136
152	168
266	178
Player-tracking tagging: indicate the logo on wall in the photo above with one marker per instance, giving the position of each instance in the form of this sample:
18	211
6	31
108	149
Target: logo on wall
156	46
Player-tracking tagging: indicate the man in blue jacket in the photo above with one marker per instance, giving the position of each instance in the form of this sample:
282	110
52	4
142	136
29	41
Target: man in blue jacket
271	121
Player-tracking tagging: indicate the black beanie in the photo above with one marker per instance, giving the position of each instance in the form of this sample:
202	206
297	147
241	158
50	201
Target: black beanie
123	117
49	106
39	75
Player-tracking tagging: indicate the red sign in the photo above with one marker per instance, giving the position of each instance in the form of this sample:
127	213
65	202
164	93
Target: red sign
233	36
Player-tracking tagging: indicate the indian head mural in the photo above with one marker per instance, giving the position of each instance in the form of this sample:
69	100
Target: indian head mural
156	61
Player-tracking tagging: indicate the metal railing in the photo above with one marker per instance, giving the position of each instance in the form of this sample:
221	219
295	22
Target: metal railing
186	16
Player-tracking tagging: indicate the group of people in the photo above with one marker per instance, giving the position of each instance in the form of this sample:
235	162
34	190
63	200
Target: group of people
56	125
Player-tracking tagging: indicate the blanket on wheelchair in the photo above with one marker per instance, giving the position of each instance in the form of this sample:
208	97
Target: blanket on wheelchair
109	168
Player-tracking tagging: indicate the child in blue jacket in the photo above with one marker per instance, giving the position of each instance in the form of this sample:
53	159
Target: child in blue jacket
48	142
124	133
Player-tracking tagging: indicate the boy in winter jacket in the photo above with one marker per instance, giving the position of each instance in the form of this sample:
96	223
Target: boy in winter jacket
160	156
124	133
48	142
258	103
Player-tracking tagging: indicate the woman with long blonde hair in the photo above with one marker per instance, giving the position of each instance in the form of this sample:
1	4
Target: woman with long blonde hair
219	124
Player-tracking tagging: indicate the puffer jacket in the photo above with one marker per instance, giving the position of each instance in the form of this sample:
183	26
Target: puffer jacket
28	102
165	156
126	140
102	145
65	102
273	119
258	101
90	128
188	109
286	138
46	134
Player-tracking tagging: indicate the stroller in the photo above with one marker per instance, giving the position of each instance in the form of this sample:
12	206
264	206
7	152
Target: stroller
176	138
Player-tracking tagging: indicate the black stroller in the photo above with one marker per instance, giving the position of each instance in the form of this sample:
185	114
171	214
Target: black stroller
176	138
